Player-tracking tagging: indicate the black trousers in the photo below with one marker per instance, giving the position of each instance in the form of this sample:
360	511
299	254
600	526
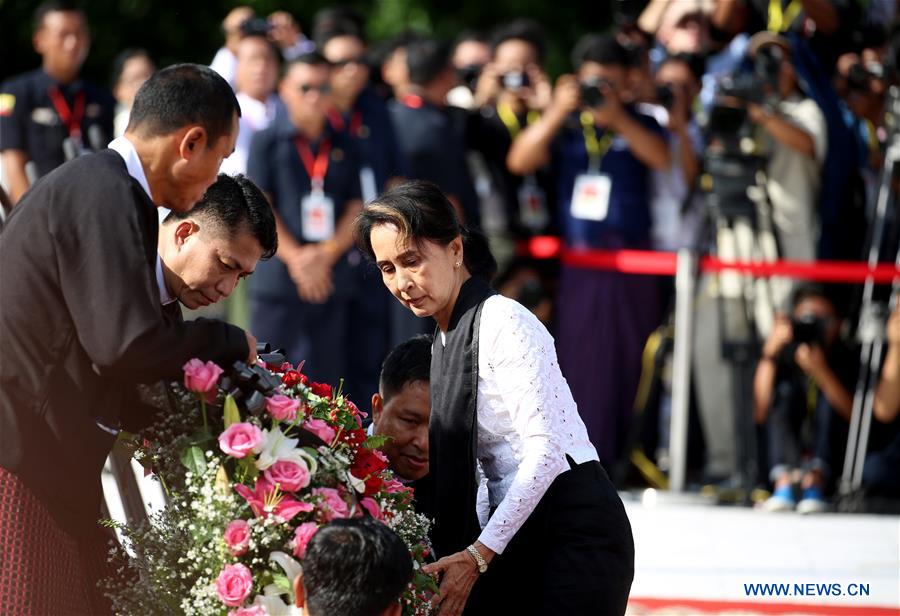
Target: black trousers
574	555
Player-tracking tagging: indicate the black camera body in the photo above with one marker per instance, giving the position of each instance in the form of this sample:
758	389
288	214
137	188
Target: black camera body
809	329
255	26
591	92
469	74
665	96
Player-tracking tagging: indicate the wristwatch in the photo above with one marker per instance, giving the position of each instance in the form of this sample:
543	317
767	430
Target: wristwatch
480	562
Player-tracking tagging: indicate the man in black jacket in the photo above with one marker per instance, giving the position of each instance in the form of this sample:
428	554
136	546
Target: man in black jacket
81	324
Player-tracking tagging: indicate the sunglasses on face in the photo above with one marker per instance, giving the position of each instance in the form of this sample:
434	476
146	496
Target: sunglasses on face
343	63
307	88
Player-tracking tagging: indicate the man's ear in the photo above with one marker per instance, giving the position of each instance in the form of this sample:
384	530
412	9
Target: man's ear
377	408
299	592
193	140
184	230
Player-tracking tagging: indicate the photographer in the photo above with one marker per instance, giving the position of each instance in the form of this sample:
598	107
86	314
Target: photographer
799	140
602	152
805	375
675	221
512	93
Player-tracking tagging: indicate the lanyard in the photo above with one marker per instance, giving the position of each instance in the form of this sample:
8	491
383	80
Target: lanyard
337	122
512	122
596	148
71	117
315	168
780	20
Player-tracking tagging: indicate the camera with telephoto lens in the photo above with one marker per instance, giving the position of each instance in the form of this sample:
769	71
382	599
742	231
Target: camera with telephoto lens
809	329
514	80
592	93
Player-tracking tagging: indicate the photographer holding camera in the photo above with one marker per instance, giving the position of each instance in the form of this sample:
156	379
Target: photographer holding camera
512	93
602	152
799	142
802	394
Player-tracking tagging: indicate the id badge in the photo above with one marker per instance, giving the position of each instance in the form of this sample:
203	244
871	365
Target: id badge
590	199
533	205
317	210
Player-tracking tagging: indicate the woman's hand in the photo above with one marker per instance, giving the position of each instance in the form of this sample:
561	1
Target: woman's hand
458	574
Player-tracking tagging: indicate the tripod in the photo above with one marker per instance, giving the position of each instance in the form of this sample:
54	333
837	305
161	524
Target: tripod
741	229
870	332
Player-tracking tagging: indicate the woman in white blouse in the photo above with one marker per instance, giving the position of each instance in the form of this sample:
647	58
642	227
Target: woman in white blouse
557	540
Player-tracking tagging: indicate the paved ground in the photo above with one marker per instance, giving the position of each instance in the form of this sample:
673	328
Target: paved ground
697	559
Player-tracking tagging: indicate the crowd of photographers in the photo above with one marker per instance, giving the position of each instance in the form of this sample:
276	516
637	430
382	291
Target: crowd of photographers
751	128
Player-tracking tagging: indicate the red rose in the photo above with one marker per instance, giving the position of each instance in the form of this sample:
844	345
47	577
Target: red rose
373	485
368	462
323	390
356	437
292	377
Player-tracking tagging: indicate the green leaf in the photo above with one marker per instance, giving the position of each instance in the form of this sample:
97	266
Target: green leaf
232	415
281	581
246	469
376	441
193	460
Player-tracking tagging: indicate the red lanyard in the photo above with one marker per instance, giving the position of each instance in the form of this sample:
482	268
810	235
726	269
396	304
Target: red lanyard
315	168
71	117
337	122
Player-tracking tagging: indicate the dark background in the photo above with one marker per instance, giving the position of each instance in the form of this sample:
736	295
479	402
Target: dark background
190	31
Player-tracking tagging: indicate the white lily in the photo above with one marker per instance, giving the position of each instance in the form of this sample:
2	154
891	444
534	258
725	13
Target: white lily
291	567
358	484
274	606
275	446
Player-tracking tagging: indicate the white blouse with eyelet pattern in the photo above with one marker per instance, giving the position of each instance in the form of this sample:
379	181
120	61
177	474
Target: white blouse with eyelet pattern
527	419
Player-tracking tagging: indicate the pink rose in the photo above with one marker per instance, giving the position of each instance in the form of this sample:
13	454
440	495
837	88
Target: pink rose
234	584
237	537
283	408
372	507
334	505
302	536
320	429
253	610
239	439
392	486
201	377
290	475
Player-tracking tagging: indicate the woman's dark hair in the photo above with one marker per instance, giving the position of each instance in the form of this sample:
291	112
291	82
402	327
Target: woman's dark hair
420	211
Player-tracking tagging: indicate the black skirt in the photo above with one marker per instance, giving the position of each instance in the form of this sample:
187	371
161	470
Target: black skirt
574	555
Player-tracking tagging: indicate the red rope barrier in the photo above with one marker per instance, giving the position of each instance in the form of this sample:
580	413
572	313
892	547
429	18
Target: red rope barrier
664	264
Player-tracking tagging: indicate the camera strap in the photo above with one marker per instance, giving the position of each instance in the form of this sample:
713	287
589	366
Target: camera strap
509	119
596	148
780	20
